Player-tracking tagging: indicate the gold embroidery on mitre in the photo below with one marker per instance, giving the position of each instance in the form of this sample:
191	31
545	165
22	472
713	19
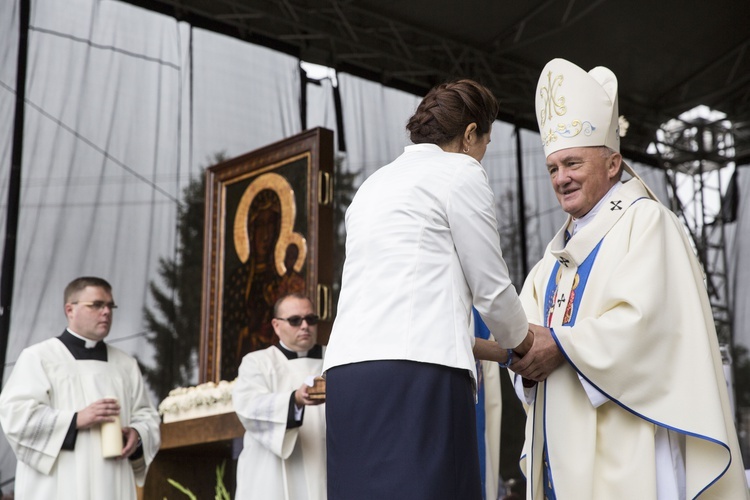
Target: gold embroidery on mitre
550	99
569	131
550	137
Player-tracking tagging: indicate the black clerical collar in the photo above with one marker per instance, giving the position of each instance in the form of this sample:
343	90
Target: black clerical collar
315	353
78	349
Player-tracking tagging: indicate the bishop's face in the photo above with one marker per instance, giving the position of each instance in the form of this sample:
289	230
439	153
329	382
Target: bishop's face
582	176
89	313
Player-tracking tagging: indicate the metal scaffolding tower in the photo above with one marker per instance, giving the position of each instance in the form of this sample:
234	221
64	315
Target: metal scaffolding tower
697	153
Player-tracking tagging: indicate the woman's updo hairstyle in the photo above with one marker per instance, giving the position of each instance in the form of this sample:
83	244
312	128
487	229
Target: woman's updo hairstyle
449	108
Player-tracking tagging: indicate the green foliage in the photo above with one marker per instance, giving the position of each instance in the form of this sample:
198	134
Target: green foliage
221	491
180	487
174	323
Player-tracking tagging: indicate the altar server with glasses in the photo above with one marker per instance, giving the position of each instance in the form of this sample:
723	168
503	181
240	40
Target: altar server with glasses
61	397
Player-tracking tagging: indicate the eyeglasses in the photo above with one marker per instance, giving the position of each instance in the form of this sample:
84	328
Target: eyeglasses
98	305
312	319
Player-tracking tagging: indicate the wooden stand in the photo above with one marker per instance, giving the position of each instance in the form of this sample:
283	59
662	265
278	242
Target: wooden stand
190	452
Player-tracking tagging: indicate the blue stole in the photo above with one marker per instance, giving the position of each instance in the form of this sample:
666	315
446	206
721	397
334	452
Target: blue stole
481	331
582	276
550	296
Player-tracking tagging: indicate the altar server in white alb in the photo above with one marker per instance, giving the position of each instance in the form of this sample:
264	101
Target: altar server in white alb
284	453
630	399
58	396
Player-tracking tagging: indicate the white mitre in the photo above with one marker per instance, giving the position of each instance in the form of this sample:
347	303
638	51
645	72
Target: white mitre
578	109
575	108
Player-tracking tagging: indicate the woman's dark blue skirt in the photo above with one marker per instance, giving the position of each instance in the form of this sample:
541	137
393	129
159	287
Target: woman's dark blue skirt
401	430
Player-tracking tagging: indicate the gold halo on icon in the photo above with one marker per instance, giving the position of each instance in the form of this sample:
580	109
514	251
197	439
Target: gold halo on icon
287	236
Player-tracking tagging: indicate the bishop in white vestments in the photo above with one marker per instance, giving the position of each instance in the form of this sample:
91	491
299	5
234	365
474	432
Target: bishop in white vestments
630	399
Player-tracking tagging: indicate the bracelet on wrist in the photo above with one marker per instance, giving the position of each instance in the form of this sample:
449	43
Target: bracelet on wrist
507	361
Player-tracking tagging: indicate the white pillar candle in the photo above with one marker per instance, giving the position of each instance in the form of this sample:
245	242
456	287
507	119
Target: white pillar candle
112	438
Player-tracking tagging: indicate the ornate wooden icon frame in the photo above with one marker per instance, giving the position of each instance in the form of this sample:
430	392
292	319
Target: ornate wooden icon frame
300	172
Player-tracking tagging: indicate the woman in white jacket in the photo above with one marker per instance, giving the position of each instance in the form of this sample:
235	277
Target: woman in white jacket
422	247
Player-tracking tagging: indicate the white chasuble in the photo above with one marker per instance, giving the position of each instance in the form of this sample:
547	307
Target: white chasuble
47	386
277	463
628	307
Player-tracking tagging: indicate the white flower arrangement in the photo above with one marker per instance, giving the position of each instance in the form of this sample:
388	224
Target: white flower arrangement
202	400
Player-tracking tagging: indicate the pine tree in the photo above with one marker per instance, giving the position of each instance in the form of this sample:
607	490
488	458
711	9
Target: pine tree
174	323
